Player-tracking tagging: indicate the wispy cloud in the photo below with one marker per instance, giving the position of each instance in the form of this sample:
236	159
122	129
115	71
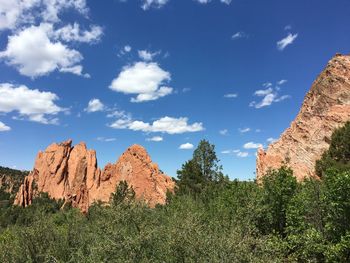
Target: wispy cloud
147	4
231	95
239	35
288	27
223	132
282	81
269	95
288	40
244	130
103	139
271	140
237	153
147	55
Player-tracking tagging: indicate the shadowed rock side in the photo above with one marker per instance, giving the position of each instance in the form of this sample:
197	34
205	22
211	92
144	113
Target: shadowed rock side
71	173
326	107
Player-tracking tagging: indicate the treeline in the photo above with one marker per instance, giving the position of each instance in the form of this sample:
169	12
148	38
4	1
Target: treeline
208	219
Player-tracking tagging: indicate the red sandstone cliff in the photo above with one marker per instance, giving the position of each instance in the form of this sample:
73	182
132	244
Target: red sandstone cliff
325	108
71	173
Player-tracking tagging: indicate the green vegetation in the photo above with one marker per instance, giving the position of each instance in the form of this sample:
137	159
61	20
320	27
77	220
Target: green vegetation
209	219
10	181
338	155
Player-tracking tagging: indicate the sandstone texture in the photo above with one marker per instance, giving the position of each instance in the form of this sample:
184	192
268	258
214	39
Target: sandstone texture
326	107
71	173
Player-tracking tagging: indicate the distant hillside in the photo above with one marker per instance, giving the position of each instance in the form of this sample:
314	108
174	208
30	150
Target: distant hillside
10	181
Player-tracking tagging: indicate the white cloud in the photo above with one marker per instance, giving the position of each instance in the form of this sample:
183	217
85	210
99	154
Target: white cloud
284	97
4	127
224	132
164	125
144	79
147	55
33	54
186	146
127	48
31	104
208	1
155	139
95	105
288	27
244	130
15	13
267	84
237	153
52	8
35	45
119	114
73	32
77	70
242	154
271	140
263	92
231	95
282	81
103	139
288	40
269	95
238	35
147	4
252	145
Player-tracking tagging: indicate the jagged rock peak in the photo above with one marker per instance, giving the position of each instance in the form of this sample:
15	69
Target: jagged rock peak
71	173
326	107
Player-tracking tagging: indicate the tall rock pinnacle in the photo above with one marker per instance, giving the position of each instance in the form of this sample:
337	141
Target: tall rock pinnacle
326	107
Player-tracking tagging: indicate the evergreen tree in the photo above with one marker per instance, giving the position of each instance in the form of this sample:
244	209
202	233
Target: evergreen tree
122	194
338	155
201	172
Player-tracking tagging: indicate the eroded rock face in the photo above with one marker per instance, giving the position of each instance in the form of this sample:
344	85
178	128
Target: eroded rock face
326	107
72	174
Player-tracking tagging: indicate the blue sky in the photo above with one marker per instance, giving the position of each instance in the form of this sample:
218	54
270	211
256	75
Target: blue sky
163	74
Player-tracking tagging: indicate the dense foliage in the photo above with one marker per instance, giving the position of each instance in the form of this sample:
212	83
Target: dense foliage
338	155
209	219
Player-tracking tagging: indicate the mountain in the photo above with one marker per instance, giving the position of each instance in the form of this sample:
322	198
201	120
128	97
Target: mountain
326	107
71	173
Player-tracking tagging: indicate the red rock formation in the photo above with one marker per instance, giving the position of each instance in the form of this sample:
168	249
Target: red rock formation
326	107
71	173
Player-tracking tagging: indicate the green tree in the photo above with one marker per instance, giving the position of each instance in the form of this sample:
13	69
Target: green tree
279	187
337	203
201	172
338	155
306	224
205	157
122	194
